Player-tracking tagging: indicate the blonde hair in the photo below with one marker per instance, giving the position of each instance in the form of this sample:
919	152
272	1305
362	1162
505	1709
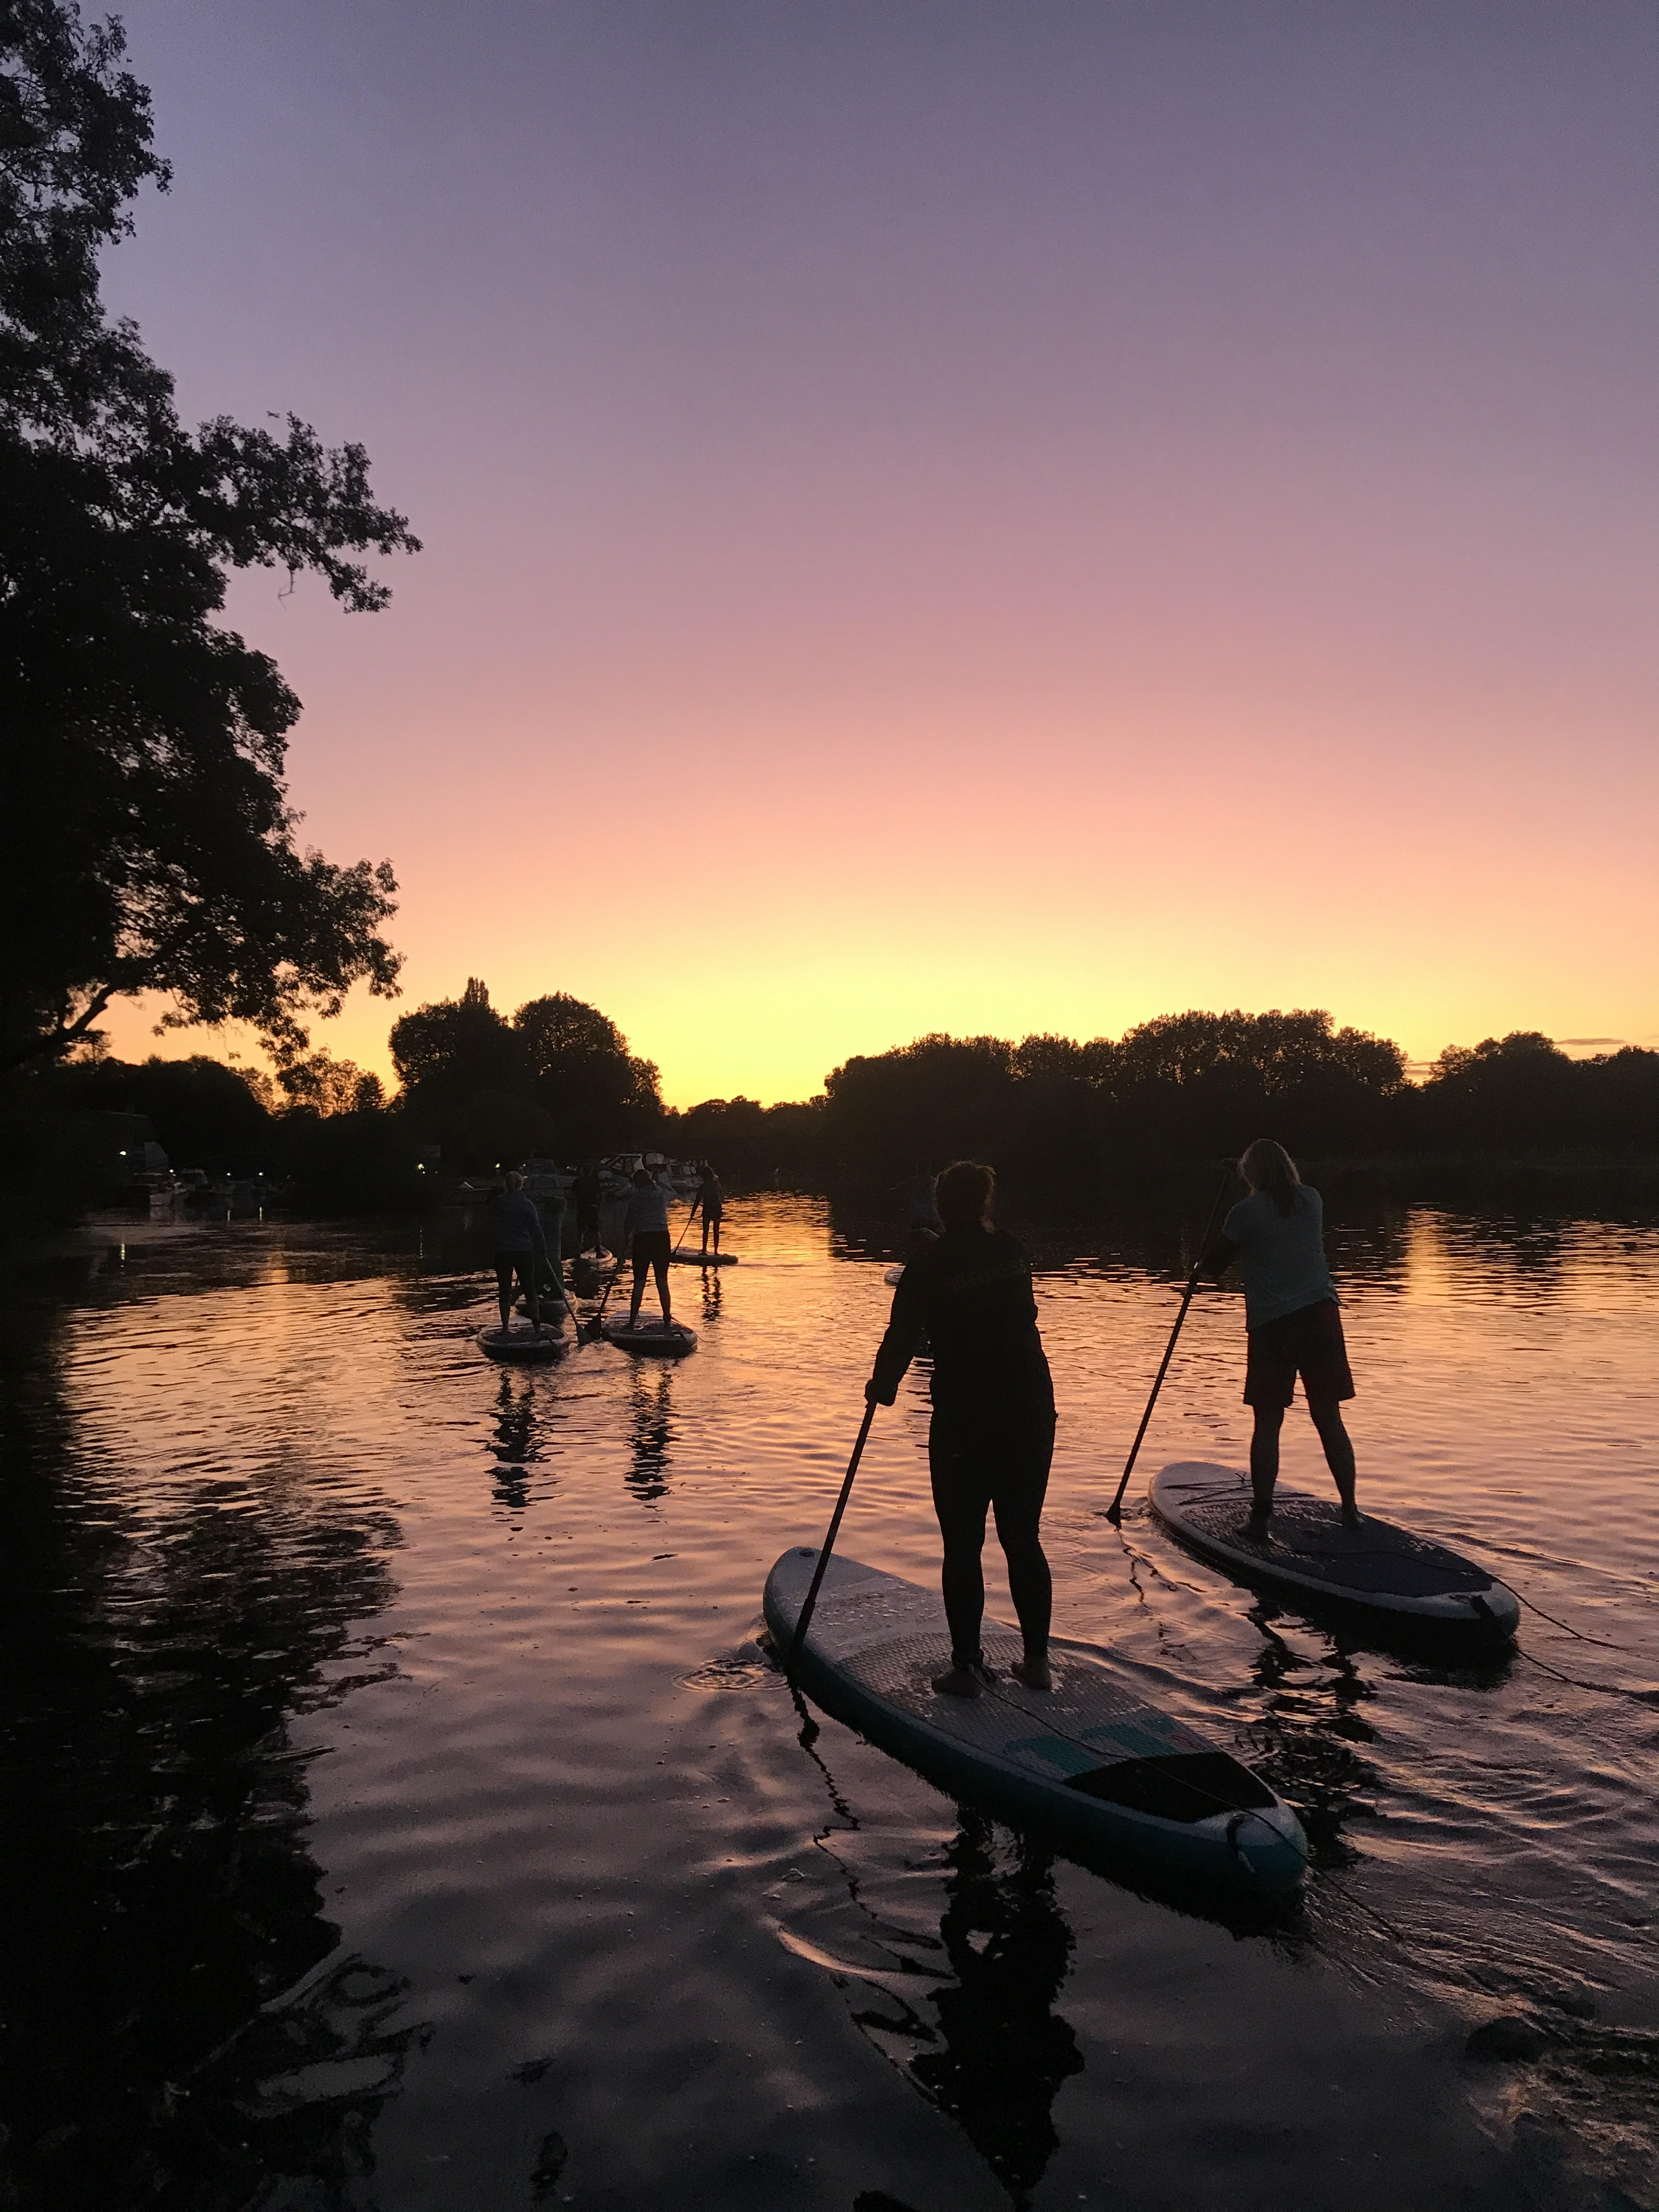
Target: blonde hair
964	1191
514	1180
1267	1166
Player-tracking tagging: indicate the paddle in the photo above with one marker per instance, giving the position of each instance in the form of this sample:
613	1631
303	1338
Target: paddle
1114	1511
829	1545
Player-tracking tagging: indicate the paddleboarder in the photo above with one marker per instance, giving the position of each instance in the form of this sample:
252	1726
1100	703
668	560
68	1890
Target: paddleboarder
992	1436
711	1200
588	1191
520	1249
646	1234
1293	1320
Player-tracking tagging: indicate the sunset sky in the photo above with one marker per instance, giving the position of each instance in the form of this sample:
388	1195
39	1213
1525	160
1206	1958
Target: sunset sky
951	516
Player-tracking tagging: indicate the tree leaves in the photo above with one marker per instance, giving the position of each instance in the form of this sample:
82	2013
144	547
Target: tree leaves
146	839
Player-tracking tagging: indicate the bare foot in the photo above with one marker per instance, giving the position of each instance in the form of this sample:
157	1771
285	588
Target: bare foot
960	1683
1256	1524
1351	1516
1033	1671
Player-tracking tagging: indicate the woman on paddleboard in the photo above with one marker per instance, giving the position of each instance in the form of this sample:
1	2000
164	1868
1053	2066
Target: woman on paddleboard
521	1249
645	1236
1293	1320
992	1432
711	1202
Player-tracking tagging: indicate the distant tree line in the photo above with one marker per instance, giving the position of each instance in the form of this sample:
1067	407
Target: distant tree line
1052	1113
479	1089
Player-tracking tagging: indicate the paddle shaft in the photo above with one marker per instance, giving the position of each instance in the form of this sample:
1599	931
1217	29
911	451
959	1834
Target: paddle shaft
1114	1512
829	1545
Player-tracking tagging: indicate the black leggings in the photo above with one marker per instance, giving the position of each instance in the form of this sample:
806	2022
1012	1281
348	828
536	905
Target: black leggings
1002	1467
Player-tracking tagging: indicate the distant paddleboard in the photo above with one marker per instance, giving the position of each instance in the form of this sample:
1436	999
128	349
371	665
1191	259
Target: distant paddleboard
893	1277
704	1259
651	1338
521	1344
1089	1759
1307	1554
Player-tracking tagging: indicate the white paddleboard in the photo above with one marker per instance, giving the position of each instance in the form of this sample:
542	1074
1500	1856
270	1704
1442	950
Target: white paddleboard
1089	1759
1307	1554
650	1337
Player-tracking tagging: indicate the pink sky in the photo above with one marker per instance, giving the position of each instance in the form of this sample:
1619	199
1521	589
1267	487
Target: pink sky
986	518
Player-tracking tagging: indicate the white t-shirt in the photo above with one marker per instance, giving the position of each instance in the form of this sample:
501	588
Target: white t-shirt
1282	1256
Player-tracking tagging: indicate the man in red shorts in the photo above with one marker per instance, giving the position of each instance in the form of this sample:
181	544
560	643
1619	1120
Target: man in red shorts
1294	1322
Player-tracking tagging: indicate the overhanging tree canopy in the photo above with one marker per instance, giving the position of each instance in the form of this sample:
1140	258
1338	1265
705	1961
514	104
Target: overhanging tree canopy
146	839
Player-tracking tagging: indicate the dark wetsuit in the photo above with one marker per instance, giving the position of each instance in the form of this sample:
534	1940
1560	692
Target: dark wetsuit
992	1432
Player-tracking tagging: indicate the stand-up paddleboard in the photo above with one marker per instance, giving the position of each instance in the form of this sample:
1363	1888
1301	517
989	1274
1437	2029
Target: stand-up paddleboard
893	1277
704	1259
650	1337
1306	1552
521	1344
1088	1760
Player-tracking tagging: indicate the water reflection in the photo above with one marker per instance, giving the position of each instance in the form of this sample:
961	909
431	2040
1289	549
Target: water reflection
984	2043
651	1430
1002	2050
173	2029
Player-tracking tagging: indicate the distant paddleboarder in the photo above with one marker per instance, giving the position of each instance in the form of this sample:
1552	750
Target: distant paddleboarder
711	1200
992	1432
589	1189
521	1249
1294	1322
646	1234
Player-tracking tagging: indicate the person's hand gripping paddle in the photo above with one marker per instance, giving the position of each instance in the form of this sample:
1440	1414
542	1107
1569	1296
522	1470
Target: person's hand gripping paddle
1114	1511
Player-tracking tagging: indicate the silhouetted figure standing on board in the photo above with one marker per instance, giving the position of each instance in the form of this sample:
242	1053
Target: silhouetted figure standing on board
992	1432
646	1234
589	1190
520	1249
712	1200
1293	1321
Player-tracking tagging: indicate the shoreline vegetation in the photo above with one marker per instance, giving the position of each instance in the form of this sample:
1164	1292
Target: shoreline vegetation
1096	1129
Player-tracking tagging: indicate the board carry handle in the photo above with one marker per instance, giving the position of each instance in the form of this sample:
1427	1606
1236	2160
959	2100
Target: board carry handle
1114	1511
829	1545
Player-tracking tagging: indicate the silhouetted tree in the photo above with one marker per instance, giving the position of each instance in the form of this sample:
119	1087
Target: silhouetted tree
929	1101
328	1087
1520	1089
447	1052
146	839
204	1114
597	1093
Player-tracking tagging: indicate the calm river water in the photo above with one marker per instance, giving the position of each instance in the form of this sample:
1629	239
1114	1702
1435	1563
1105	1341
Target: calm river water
400	1812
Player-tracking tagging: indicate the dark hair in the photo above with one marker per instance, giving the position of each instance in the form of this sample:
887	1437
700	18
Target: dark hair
642	1175
1267	1166
963	1193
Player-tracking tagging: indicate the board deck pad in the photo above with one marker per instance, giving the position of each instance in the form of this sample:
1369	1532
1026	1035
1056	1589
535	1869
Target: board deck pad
521	1343
650	1337
1090	1751
1305	1546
